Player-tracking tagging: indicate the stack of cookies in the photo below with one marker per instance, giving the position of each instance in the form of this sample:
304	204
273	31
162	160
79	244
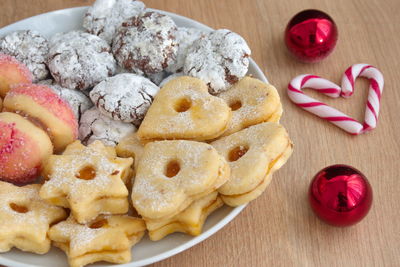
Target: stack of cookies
170	129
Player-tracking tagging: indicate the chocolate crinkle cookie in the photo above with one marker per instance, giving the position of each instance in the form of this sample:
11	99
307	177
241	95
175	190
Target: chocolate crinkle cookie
30	48
105	16
79	60
95	126
146	44
125	97
220	59
185	38
78	101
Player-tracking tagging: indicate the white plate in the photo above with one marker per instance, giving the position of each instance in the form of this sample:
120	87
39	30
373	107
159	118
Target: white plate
146	252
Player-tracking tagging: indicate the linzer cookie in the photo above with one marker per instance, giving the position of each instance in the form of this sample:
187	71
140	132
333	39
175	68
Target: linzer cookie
189	221
253	154
172	174
183	109
252	102
25	218
130	147
88	180
107	238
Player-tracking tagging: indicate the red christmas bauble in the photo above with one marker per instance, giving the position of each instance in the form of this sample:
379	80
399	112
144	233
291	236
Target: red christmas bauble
340	195
311	35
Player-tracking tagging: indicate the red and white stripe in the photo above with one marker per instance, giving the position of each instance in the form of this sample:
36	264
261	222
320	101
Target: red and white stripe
330	89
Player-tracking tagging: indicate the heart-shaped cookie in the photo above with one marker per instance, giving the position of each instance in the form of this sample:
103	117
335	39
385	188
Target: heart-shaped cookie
183	109
172	174
330	89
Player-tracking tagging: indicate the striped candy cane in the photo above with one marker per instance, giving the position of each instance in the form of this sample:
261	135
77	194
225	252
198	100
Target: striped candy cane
330	89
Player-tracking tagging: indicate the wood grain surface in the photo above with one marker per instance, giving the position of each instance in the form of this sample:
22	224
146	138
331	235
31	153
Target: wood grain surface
279	229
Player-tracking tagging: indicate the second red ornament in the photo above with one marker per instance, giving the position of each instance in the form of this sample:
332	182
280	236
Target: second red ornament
311	35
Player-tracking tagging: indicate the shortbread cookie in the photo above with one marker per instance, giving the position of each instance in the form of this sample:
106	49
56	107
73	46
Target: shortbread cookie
25	218
185	38
30	48
220	59
125	97
189	221
23	149
183	109
95	126
146	44
253	154
172	174
252	102
88	180
79	60
105	16
78	101
108	238
130	147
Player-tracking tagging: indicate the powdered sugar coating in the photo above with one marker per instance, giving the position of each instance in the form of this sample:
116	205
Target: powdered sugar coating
219	58
185	38
125	97
79	60
96	126
29	47
146	44
78	101
105	16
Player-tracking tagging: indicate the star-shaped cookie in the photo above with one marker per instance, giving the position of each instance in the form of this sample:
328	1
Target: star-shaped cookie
25	218
107	238
88	180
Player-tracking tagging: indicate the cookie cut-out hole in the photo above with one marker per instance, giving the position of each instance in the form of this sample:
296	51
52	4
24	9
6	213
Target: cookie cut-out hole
235	105
237	153
172	169
98	224
86	173
18	208
183	105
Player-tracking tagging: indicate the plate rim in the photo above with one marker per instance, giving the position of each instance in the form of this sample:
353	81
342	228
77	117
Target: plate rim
195	240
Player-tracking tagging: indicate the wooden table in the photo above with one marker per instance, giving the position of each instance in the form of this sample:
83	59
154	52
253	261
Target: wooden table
279	229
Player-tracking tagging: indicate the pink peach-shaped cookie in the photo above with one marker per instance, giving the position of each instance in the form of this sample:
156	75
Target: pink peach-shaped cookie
23	149
12	72
46	109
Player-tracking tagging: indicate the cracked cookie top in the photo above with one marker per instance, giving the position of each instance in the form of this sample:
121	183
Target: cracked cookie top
146	44
30	48
220	59
105	16
95	126
78	101
79	60
125	97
